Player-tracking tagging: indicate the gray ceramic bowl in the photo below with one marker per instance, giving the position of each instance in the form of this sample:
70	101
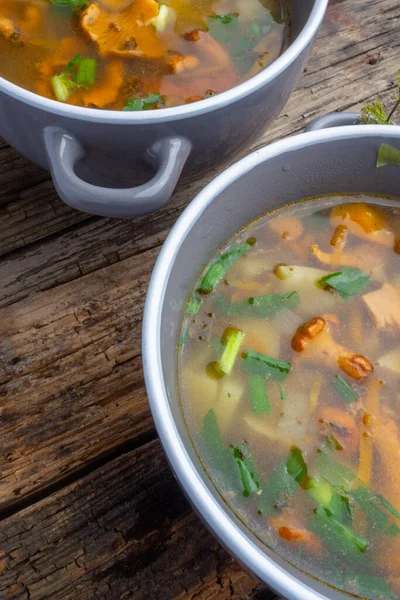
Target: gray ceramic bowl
333	160
117	146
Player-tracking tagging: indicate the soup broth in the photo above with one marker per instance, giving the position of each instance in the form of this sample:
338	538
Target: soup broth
289	371
138	54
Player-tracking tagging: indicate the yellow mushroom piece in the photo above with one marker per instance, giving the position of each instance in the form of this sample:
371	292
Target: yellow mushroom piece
364	221
106	92
9	30
129	33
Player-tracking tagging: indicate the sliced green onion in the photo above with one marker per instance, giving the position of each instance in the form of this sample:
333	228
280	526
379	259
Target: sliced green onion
247	473
221	266
151	102
70	3
388	155
62	87
295	465
232	340
260	364
86	73
280	487
320	490
347	283
259	400
389	507
282	393
72	63
193	306
344	390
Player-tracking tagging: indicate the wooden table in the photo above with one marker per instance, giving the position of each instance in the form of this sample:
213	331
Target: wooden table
89	507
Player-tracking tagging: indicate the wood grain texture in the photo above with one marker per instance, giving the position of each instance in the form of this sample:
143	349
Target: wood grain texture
123	532
72	395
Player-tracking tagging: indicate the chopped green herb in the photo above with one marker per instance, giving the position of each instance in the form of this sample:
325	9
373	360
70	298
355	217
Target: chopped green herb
388	155
371	506
295	465
221	266
270	305
347	283
343	530
221	457
389	507
183	338
344	390
266	306
341	508
374	114
193	306
337	474
247	473
86	73
280	487
151	102
335	538
260	364
344	480
225	19
332	443
282	393
70	3
259	400
232	340
72	63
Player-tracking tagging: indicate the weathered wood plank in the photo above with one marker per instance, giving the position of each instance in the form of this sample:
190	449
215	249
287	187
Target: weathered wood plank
355	58
71	382
37	213
125	531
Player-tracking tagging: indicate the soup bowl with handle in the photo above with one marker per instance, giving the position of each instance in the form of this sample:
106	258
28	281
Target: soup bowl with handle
335	156
126	164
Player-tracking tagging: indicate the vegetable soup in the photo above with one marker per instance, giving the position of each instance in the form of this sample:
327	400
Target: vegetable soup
289	372
138	55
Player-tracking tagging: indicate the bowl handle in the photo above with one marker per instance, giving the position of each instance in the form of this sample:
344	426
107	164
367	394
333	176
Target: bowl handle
167	156
333	120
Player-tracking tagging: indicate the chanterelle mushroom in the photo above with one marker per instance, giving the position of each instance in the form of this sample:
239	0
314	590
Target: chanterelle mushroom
8	29
129	33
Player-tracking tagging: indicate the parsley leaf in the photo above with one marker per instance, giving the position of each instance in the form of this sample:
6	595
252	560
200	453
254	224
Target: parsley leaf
347	283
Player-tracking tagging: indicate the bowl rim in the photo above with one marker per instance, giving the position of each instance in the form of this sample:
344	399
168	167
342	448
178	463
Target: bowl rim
219	520
180	112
